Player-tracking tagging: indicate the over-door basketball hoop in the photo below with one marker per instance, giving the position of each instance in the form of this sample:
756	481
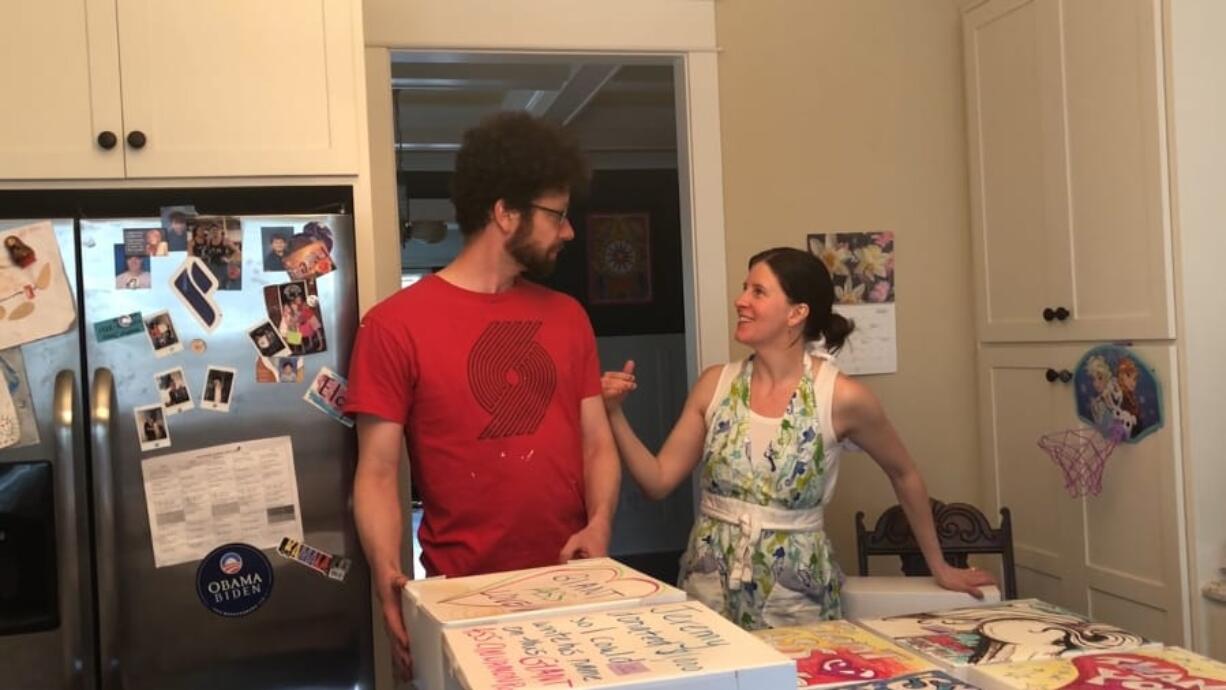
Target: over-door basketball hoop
1119	397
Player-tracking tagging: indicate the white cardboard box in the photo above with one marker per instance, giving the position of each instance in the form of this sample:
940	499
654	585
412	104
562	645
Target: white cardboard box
434	604
1150	669
878	597
678	646
836	654
1008	632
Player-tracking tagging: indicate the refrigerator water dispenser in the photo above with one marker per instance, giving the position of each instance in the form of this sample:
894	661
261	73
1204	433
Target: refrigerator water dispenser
28	601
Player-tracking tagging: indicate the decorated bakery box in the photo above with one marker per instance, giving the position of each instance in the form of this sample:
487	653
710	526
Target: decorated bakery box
834	654
677	646
434	604
1170	668
879	596
1008	632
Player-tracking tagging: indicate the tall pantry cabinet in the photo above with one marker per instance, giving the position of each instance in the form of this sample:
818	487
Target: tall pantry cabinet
1072	247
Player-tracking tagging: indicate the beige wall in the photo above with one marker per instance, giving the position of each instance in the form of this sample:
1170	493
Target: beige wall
846	115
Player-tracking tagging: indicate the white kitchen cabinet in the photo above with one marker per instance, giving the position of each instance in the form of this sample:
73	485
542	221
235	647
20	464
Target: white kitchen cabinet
1070	214
209	88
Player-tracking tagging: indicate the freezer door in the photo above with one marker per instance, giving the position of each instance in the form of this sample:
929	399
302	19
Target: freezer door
155	632
46	624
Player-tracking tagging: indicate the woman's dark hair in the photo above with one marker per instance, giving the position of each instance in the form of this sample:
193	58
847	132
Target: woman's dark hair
515	157
805	280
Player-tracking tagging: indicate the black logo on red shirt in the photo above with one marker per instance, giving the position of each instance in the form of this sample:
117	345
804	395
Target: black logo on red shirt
512	377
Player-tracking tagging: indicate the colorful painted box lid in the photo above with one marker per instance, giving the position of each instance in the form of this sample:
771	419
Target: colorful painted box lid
832	654
1011	631
680	645
1171	668
594	584
926	680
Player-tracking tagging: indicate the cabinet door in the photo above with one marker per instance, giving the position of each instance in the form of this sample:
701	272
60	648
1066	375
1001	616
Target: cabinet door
1116	556
59	74
1067	144
1119	238
1017	166
1133	530
1017	406
232	87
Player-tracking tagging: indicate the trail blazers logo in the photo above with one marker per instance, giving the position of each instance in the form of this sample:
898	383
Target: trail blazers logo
512	377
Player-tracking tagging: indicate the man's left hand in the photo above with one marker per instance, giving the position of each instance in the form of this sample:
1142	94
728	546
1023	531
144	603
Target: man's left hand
589	542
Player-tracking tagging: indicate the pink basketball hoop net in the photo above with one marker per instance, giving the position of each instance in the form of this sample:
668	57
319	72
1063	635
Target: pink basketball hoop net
1081	454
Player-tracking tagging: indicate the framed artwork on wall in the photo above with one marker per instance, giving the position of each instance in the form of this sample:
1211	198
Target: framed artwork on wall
619	258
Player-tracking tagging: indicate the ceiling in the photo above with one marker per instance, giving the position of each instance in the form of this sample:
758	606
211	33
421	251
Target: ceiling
623	113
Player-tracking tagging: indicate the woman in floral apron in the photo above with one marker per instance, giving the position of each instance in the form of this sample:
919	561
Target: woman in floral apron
768	431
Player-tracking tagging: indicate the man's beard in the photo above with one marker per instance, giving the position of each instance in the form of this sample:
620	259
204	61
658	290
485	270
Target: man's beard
536	261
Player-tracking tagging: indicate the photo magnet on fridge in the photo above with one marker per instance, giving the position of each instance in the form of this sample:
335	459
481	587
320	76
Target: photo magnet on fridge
162	334
267	342
294	308
144	242
193	283
218	388
218	242
174	226
151	427
131	270
172	387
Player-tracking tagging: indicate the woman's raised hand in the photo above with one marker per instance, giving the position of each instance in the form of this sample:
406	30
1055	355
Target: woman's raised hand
616	385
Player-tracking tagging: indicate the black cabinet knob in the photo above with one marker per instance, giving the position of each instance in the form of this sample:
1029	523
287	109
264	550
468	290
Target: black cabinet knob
1049	314
107	140
1061	313
1065	376
136	139
1051	375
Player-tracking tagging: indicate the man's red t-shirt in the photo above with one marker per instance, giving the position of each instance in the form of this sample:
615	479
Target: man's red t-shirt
488	388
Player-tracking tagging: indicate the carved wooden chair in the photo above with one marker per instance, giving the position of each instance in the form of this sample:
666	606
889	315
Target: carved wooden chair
961	528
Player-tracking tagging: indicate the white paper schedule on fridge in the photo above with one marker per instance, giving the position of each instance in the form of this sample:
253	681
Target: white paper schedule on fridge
235	492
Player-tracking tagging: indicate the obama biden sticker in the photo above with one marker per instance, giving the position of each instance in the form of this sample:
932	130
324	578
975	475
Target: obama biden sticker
234	580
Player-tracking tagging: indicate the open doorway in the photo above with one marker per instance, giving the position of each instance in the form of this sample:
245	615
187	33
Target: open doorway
625	265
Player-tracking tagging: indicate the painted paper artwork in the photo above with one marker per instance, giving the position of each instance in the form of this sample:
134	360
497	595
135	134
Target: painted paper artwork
650	647
550	587
619	258
861	264
836	653
1118	393
1019	630
1170	668
928	680
35	301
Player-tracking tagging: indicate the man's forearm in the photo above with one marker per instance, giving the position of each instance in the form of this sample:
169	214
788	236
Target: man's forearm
602	479
376	510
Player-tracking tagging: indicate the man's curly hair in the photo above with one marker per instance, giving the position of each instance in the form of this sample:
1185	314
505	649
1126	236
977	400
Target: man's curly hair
515	157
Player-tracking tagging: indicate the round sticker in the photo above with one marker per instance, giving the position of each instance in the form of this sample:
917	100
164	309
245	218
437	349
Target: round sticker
199	346
234	580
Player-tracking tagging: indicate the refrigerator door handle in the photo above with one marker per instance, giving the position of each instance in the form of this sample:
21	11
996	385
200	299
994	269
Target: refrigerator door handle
102	411
72	627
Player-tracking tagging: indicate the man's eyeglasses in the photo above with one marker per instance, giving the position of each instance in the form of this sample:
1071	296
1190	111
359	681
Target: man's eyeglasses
559	217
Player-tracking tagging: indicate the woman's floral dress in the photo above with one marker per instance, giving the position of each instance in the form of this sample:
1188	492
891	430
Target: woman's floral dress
795	579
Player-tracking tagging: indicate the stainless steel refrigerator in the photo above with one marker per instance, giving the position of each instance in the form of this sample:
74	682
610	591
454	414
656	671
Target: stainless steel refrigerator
82	601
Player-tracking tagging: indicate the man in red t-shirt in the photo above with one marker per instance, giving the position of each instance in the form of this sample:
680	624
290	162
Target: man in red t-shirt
491	380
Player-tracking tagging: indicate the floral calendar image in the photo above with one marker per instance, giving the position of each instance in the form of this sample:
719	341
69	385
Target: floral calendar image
861	264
